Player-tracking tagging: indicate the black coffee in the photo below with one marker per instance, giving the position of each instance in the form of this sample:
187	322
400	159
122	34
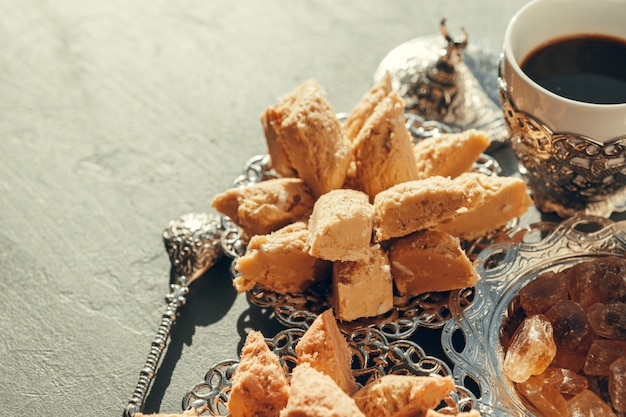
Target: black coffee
583	68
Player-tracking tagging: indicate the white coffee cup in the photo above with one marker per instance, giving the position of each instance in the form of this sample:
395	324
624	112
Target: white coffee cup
573	152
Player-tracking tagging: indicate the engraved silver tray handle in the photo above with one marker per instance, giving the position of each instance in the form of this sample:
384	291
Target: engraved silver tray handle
504	269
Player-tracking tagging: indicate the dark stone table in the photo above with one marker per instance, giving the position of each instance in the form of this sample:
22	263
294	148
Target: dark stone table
117	116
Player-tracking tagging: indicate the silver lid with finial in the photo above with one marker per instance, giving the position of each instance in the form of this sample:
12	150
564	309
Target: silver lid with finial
448	80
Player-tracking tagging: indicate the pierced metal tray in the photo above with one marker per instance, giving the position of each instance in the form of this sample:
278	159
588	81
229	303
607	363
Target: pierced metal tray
471	338
372	357
428	310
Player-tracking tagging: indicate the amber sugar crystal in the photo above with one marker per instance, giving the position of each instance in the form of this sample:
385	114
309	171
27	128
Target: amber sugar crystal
572	334
531	350
598	281
543	396
582	284
564	380
608	320
602	353
588	404
549	392
617	384
613	287
540	294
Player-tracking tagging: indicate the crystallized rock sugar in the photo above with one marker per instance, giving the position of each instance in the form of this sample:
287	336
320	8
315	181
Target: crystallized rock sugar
540	294
588	404
599	281
531	350
617	383
608	320
545	397
572	334
601	355
582	284
583	309
564	380
548	392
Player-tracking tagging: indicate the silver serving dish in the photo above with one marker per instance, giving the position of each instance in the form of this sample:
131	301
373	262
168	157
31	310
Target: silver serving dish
428	310
372	357
471	338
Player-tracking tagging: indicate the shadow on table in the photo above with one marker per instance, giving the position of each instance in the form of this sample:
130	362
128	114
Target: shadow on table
209	299
257	318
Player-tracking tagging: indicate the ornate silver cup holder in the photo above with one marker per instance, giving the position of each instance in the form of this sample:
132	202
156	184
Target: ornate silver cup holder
471	338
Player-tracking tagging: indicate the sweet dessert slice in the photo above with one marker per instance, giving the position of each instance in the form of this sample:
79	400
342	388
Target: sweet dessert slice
272	120
340	228
430	261
421	204
365	107
383	150
266	206
324	348
305	139
314	394
403	395
280	262
259	385
451	154
363	288
505	198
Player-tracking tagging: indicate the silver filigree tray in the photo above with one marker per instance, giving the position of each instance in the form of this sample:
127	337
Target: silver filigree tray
471	338
428	310
372	357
